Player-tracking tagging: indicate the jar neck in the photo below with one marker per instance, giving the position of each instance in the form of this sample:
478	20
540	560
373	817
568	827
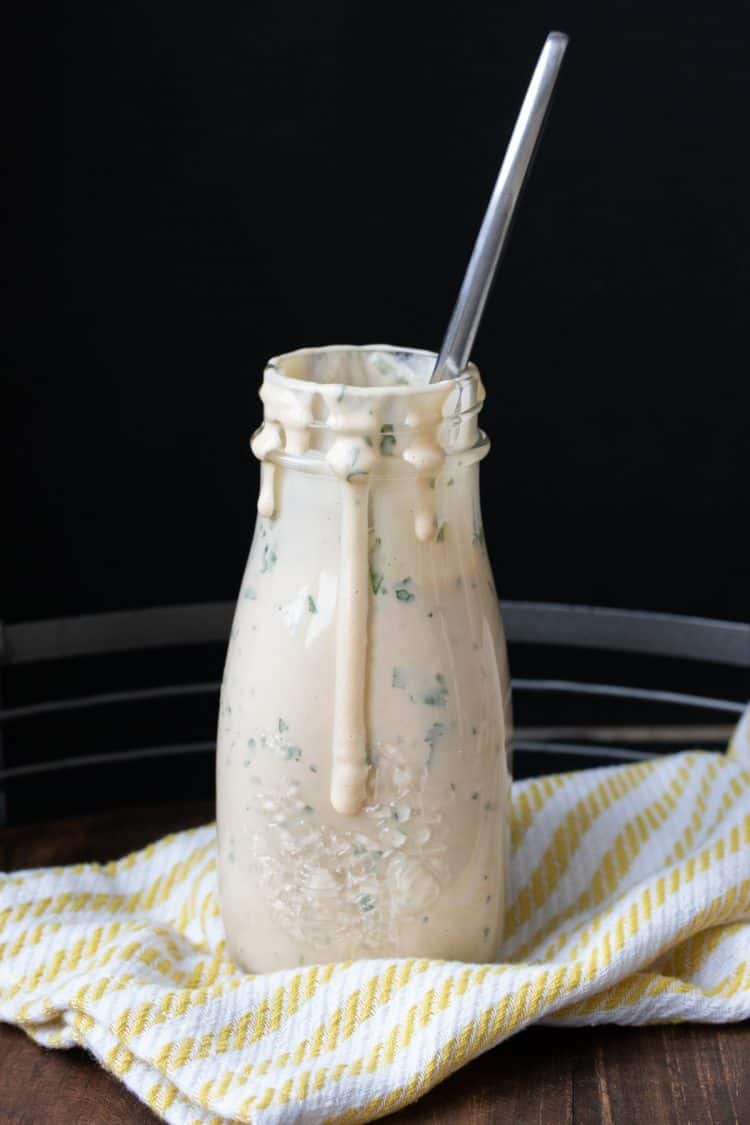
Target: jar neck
367	412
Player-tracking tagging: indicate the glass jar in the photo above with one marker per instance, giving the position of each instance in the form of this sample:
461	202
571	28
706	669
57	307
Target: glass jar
362	757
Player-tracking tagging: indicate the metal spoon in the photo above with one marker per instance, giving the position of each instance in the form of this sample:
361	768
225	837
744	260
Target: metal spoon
459	339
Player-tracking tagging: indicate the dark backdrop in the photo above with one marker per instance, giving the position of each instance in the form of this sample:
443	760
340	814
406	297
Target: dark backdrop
195	187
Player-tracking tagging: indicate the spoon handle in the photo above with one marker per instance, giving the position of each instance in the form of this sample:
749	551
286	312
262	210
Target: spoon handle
459	339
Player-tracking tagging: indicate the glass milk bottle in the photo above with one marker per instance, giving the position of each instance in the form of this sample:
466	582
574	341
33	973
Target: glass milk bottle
362	765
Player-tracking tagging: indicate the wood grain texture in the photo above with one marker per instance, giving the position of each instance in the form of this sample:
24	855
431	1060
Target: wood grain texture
671	1075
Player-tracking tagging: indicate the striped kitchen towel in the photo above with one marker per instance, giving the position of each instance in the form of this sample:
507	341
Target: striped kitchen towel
630	903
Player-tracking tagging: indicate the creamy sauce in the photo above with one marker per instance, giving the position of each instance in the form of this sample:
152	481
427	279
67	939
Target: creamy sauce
397	578
353	415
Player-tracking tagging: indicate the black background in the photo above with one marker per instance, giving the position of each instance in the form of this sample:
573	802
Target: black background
197	187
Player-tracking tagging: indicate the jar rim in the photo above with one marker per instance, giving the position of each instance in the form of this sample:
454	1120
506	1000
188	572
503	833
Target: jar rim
275	373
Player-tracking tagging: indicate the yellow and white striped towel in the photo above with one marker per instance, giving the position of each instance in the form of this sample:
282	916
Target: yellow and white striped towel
630	904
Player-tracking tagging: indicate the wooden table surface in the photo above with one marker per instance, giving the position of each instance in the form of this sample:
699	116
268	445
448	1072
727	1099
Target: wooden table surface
689	1074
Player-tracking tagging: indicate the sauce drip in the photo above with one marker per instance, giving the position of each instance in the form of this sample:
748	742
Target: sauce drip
267	440
349	753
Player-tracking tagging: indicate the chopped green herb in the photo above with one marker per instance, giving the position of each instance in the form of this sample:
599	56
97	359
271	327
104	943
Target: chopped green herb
435	732
398	678
475	796
269	560
449	482
293	753
341	392
368	440
403	593
425	919
431	483
250	594
308	808
486	932
283	726
376	581
366	902
433	736
311	604
440	537
376	578
437	696
313	769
